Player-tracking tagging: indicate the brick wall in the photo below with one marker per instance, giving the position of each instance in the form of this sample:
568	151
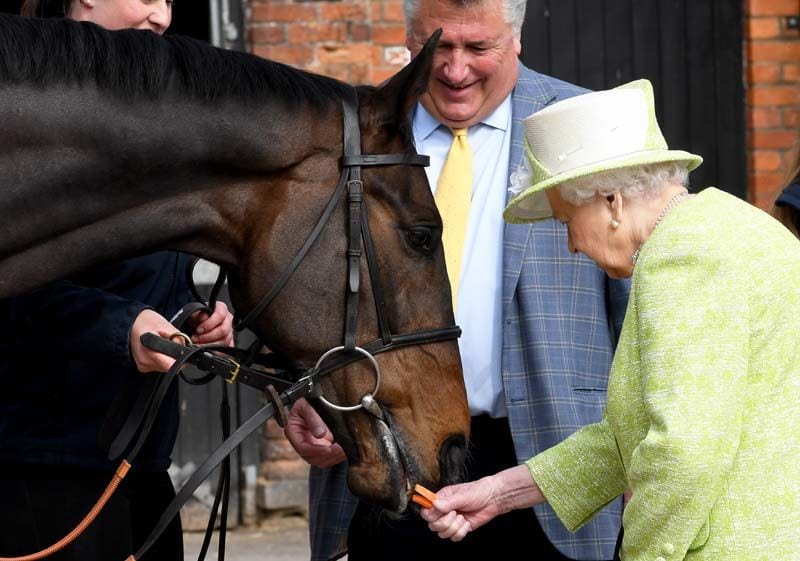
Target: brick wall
772	76
358	41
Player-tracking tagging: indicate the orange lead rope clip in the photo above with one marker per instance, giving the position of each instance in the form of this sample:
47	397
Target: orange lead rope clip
423	497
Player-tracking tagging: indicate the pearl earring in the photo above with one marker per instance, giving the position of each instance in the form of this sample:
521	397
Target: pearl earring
615	223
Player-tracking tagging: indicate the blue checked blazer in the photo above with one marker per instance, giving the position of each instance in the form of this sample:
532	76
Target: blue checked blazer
561	317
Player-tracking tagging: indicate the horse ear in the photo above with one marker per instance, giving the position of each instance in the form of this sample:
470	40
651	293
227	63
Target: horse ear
404	88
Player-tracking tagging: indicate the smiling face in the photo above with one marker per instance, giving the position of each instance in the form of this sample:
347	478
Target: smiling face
155	15
589	231
475	66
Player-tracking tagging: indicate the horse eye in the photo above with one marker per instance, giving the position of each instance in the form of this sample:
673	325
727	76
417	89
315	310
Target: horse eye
420	238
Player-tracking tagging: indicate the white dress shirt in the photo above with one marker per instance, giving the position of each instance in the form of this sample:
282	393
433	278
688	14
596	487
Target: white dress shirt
479	305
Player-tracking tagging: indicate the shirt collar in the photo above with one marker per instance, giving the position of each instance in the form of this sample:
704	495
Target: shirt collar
425	124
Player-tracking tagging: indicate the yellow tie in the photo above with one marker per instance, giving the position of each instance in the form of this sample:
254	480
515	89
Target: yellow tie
453	196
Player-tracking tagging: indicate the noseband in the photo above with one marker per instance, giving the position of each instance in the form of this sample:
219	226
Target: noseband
358	230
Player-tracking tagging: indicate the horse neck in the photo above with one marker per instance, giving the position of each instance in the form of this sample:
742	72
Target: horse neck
160	173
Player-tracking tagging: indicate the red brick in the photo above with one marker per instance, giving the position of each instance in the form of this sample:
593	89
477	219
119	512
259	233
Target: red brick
278	449
772	139
273	430
359	32
284	469
392	11
790	158
360	73
791	72
763	28
764	183
388	34
781	51
378	58
343	11
763	199
773	95
272	12
271	34
380	75
297	55
763	118
338	71
764	73
770	7
791	118
766	160
344	53
313	32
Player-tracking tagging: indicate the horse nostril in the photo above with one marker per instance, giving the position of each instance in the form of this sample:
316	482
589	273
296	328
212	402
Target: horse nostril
451	459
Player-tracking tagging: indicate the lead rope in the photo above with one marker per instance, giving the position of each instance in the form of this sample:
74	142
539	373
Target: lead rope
119	474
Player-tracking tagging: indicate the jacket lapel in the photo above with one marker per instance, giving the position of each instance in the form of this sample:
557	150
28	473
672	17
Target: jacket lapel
531	93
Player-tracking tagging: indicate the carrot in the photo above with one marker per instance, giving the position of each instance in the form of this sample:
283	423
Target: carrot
422	501
428	494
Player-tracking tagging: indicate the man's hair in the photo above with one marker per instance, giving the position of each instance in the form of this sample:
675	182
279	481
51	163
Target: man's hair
514	11
633	182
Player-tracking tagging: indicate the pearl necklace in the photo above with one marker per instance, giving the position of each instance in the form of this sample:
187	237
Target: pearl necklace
673	202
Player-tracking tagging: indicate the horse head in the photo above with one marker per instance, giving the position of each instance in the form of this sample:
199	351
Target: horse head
235	158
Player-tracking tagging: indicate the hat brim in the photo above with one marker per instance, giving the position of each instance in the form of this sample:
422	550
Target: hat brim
531	205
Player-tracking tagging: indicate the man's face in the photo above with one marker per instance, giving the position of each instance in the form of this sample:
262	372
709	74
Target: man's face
475	66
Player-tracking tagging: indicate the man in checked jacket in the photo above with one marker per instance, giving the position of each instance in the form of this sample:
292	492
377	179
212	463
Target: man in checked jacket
539	324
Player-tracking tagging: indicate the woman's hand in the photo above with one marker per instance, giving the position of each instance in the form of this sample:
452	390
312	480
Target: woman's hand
460	509
214	329
311	437
148	360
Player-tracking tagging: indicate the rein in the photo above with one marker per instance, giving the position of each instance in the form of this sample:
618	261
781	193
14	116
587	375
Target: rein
292	382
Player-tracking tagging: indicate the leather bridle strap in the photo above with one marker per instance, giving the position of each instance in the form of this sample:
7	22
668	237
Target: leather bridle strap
210	464
295	262
358	228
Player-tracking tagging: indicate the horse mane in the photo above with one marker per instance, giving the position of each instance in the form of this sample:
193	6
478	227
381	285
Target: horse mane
134	63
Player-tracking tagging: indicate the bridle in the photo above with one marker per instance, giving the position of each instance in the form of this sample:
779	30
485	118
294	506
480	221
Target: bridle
358	230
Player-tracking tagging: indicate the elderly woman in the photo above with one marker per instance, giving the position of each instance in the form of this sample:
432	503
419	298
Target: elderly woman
702	422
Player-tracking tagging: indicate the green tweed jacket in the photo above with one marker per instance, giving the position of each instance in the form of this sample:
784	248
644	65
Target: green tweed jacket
703	414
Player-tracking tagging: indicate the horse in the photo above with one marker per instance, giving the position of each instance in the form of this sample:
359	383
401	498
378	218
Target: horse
116	144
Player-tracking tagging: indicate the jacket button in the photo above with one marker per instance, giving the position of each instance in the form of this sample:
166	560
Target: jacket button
668	549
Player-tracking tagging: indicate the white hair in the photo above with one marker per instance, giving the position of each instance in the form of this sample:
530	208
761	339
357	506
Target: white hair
644	181
513	11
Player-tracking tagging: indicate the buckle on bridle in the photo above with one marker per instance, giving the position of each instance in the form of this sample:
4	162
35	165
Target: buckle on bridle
183	336
235	372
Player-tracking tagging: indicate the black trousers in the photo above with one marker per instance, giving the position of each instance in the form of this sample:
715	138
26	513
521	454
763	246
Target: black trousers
375	537
40	505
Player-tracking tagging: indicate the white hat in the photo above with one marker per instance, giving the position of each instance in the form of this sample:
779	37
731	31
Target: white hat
586	134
